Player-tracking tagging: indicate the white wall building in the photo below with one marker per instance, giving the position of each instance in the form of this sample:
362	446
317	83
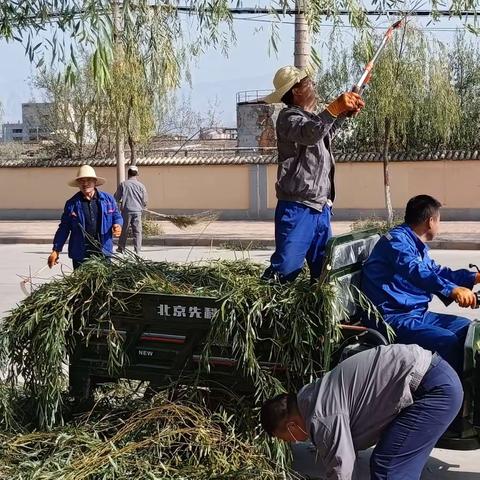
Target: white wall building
37	121
12	132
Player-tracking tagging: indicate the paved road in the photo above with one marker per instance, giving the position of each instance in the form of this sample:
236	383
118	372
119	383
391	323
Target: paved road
18	259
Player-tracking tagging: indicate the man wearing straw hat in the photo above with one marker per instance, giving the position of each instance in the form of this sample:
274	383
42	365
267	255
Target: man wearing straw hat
305	177
132	197
90	218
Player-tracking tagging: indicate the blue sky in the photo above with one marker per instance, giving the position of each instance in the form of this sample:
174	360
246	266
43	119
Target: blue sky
215	78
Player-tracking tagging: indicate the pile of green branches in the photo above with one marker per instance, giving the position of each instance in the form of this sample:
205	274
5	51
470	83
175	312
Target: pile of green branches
129	438
379	224
38	335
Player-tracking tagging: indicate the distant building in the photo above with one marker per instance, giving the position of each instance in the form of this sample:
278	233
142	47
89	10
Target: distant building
12	132
256	120
37	124
37	119
218	133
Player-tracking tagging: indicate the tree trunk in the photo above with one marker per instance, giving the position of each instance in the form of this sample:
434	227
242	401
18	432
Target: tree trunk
120	155
386	171
133	152
131	141
119	136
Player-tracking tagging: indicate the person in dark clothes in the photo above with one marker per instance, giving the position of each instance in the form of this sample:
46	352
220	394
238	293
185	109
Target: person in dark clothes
305	178
132	197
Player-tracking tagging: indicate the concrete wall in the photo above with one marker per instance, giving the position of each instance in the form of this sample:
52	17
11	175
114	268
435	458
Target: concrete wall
248	191
42	192
359	187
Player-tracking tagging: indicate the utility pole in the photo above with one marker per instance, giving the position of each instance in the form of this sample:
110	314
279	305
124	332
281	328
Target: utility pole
302	36
117	52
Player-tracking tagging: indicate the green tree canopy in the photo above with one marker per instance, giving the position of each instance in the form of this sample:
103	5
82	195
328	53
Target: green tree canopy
428	91
157	24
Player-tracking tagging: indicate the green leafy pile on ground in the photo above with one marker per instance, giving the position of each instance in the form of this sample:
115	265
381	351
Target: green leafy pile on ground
39	334
377	223
129	438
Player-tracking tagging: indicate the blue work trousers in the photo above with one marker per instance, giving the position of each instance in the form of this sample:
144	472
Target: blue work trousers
405	445
437	332
301	233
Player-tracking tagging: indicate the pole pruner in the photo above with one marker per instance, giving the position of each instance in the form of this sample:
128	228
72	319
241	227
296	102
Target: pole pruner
365	78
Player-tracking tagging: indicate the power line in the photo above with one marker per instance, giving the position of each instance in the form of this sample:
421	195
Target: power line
72	13
331	25
370	13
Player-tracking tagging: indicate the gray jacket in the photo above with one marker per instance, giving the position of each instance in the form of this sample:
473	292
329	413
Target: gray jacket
348	409
306	167
132	195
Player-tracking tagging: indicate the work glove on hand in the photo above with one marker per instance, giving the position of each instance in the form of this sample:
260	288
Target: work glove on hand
345	103
117	230
464	297
53	258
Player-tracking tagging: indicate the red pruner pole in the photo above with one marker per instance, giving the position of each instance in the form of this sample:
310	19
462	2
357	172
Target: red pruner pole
365	78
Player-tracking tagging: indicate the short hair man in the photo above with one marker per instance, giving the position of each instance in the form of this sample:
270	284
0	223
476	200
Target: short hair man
90	218
305	177
400	278
132	197
400	398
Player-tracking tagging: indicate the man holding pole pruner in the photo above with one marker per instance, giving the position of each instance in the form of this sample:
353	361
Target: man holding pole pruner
305	178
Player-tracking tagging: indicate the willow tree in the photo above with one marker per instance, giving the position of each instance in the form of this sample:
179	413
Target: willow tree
464	61
85	119
411	102
67	24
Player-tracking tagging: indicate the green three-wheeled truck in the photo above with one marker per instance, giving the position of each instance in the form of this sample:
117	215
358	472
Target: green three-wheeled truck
164	338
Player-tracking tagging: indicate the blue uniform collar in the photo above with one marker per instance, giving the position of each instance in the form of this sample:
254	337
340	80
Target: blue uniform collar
422	247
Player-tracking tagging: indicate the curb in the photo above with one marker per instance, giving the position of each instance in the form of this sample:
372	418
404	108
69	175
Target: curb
234	243
170	241
228	242
454	245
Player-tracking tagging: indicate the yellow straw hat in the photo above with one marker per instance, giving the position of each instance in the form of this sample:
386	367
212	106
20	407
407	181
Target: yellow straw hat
283	81
86	171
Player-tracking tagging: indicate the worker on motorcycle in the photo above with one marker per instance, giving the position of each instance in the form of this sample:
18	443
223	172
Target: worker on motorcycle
400	279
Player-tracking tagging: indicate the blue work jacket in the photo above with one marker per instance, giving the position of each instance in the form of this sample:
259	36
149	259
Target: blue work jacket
399	276
73	224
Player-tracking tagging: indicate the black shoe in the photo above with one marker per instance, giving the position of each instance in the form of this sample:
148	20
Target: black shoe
271	276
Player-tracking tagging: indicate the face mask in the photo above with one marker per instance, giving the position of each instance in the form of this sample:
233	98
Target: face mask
299	427
292	435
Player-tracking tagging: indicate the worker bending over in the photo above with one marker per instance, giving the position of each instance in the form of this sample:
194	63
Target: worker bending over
400	398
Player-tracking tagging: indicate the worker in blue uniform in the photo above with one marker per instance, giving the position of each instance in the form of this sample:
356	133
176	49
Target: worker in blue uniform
305	185
400	279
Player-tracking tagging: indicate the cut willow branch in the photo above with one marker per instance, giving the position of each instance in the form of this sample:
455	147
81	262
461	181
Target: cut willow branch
258	322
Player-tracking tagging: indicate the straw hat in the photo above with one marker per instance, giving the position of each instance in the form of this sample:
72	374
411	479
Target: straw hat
86	171
283	81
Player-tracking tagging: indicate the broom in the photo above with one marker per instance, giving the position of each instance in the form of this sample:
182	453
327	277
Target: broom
185	221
